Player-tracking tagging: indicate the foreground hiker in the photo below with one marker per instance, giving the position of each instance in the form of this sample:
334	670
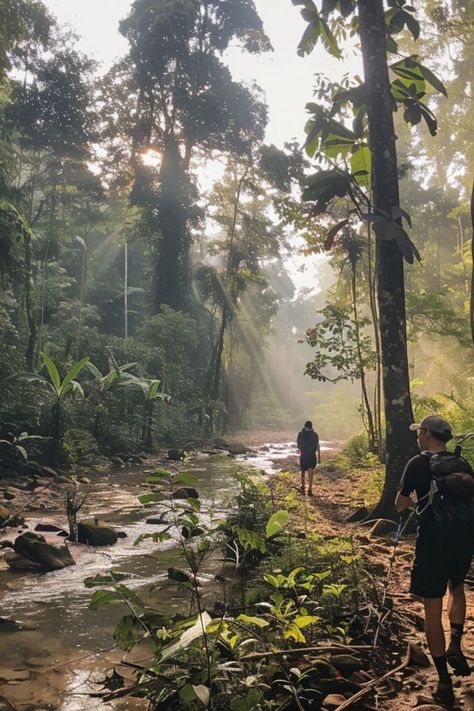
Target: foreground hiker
310	454
443	483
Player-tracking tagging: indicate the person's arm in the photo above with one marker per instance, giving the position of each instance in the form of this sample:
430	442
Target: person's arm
403	502
403	499
319	454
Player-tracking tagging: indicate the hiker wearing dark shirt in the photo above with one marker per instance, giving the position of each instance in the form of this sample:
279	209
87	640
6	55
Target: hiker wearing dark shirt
310	454
442	557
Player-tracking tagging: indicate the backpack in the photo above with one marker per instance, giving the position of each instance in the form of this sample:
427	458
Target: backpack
452	490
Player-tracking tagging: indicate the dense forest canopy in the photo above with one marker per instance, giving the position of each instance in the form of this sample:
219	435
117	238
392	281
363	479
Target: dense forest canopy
173	305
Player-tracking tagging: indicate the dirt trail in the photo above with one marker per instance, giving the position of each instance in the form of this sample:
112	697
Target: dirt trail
329	508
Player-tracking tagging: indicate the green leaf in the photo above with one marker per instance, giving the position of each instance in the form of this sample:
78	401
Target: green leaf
304	620
185	478
433	80
329	40
396	211
103	598
71	375
361	166
52	370
128	632
106	579
276	523
331	235
310	37
188	636
150	498
203	694
249	620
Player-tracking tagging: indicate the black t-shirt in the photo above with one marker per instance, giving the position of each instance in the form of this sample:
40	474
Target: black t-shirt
307	441
417	478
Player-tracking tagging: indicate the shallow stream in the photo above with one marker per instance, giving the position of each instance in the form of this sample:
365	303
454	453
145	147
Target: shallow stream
53	607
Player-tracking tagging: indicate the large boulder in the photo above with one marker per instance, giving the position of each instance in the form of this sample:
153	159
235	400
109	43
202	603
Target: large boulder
237	448
35	548
96	533
21	562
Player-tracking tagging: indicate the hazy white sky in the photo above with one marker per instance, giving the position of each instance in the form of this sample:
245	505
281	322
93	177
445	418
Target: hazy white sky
286	78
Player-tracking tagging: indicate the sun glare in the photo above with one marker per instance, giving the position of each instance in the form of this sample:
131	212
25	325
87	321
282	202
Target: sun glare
151	158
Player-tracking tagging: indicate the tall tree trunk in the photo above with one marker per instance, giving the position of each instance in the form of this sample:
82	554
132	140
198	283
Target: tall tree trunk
472	273
29	311
400	442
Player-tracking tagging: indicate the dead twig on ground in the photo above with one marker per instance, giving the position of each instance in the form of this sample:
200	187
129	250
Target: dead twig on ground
371	684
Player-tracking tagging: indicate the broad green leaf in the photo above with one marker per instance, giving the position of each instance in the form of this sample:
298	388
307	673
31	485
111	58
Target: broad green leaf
105	579
305	620
249	620
52	370
73	372
310	37
276	523
433	80
203	694
103	598
186	478
329	40
361	166
294	632
157	537
128	632
188	636
150	498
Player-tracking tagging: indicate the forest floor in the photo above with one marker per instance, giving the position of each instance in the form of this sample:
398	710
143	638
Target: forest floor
337	495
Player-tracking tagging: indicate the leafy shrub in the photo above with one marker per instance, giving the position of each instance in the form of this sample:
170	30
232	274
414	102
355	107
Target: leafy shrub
79	447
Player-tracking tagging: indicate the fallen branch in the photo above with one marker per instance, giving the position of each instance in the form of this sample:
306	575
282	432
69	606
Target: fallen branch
18	511
370	685
304	650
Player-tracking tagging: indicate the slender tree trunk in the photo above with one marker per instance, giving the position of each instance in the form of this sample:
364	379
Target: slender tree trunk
226	307
376	326
363	382
400	442
29	311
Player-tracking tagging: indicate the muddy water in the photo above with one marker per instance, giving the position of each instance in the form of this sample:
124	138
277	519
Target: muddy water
60	627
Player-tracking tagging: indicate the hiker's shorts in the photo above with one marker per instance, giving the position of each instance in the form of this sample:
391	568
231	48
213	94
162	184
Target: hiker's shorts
434	566
307	461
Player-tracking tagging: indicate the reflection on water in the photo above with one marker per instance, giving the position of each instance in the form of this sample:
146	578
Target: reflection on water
56	604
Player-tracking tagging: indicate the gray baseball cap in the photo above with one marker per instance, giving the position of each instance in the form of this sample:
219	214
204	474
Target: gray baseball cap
436	424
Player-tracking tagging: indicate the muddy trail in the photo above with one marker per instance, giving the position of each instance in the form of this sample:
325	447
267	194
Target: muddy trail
334	501
36	669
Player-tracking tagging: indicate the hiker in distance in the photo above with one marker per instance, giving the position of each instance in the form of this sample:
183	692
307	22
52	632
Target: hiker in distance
310	454
443	483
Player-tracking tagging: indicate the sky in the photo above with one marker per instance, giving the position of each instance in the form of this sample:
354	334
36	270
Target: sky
285	78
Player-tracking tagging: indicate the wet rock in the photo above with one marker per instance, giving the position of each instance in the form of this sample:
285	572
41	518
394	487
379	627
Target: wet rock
176	455
49	528
418	656
157	520
22	485
63	480
9	625
10	494
358	515
6	705
333	701
6	544
382	527
122	534
13	674
237	448
429	707
185	492
96	533
346	663
36	549
220	443
21	562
